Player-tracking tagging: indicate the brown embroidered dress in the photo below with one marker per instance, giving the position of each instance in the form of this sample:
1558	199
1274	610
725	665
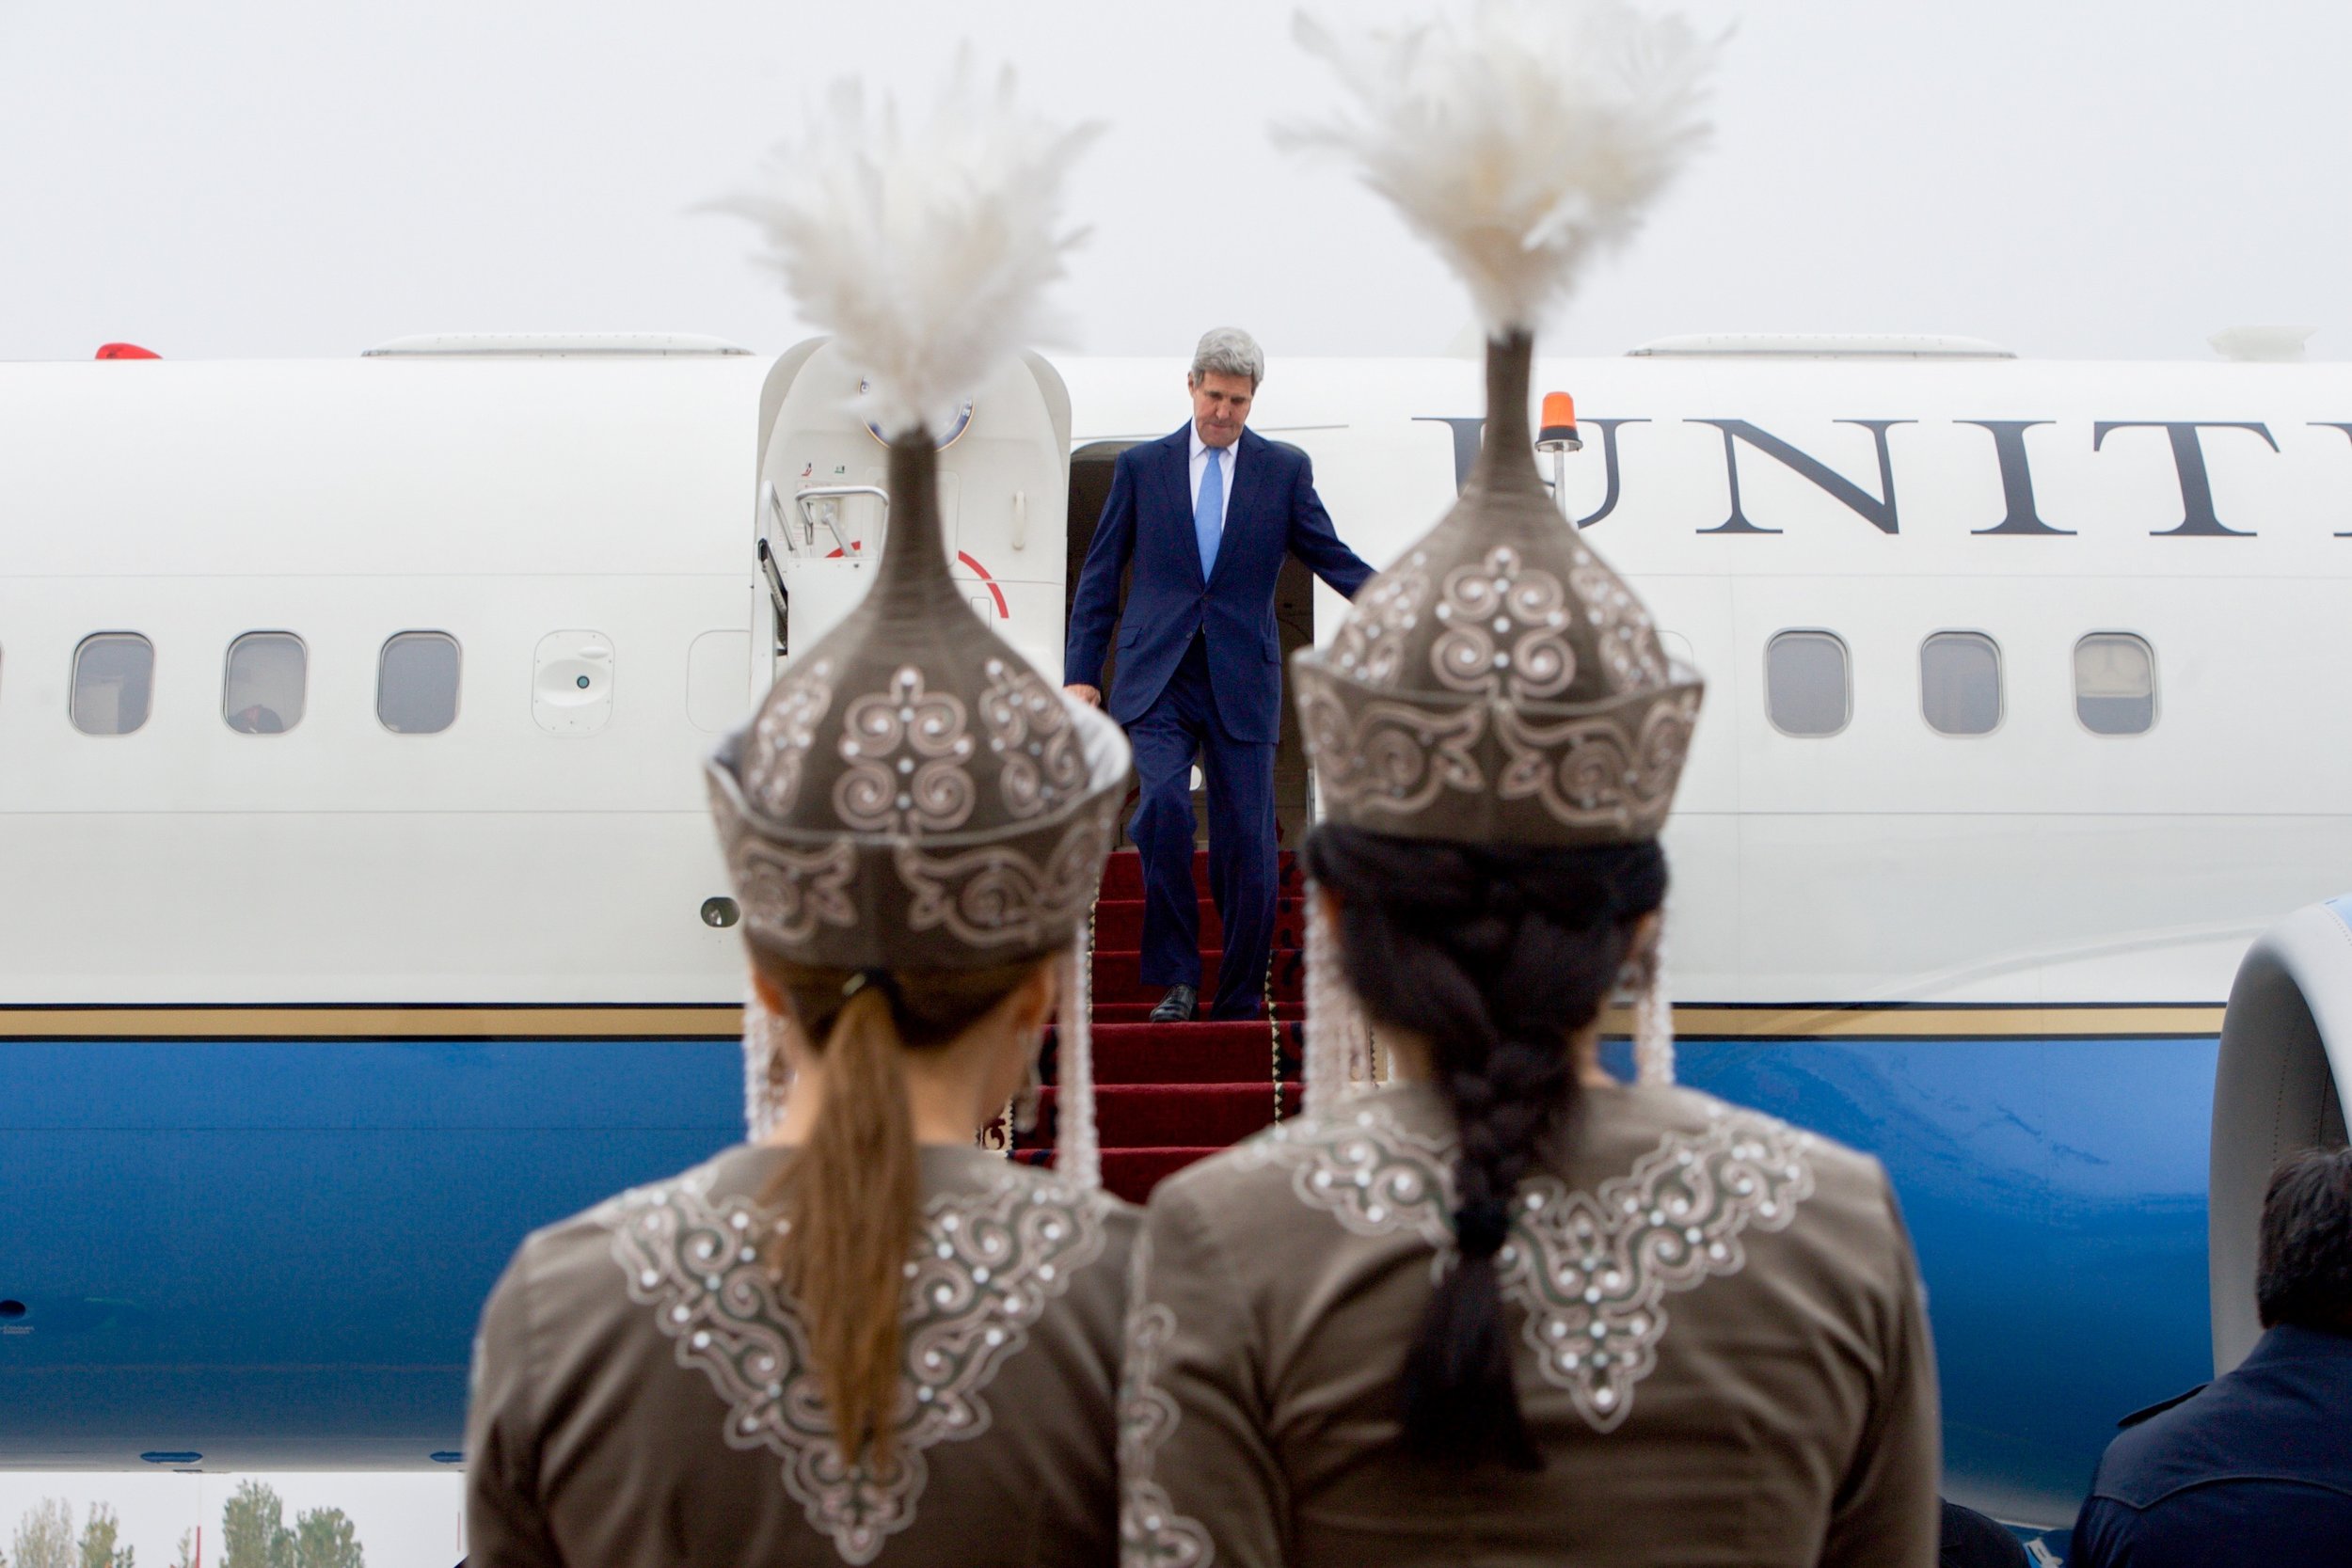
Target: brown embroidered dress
643	1395
1720	1342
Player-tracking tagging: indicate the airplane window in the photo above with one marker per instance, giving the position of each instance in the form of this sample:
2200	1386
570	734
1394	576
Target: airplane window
416	683
264	691
114	676
1805	690
1959	683
2115	683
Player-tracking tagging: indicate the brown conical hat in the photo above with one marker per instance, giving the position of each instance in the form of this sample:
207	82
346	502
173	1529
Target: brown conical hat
912	794
1499	683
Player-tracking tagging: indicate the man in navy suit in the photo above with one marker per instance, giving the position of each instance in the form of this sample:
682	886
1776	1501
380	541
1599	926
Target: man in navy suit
2256	1467
1205	515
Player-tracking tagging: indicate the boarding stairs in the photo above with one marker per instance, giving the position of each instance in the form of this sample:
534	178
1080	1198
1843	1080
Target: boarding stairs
1166	1094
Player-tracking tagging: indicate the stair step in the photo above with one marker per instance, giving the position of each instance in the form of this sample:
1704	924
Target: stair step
1119	977
1175	1054
1168	1094
1119	923
1122	877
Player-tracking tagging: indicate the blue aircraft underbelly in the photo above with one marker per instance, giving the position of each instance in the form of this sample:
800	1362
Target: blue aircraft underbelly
272	1251
2056	1195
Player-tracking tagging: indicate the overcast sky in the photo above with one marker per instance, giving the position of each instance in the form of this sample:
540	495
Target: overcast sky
2071	178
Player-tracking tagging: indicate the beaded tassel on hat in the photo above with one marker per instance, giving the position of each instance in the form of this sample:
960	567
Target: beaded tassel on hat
1653	1017
1078	1157
767	1070
1338	1038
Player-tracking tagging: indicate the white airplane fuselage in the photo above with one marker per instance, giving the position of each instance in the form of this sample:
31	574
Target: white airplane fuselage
331	1015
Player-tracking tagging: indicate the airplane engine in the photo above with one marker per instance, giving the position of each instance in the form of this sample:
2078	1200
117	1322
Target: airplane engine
2279	1086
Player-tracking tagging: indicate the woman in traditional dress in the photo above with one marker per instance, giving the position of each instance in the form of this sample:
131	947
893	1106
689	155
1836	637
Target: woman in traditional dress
1483	1302
861	1337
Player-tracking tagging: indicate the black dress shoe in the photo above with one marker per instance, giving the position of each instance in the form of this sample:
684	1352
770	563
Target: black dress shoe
1178	1005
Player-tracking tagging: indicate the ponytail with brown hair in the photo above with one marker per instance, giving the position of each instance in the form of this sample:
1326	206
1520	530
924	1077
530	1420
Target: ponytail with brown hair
1496	956
850	1193
849	1196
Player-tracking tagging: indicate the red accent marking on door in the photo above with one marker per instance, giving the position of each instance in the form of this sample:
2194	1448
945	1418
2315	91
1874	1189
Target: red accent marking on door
1002	607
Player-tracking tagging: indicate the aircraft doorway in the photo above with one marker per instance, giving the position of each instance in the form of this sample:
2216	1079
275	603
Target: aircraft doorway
1294	613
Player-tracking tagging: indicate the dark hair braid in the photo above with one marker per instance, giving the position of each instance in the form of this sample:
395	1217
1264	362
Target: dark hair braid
1496	956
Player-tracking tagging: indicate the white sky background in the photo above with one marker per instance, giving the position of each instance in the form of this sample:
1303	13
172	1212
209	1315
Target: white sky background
2073	178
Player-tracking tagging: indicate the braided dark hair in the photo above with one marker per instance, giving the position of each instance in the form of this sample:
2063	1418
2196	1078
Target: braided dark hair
1496	955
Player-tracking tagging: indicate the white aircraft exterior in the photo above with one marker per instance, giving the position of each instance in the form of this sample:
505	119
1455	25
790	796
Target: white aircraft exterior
1980	916
516	500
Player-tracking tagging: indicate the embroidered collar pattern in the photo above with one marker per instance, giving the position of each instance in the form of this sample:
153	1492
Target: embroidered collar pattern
1590	1271
985	1266
1151	1534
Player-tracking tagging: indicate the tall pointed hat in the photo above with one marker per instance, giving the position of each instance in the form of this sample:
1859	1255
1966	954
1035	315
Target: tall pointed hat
1500	683
912	794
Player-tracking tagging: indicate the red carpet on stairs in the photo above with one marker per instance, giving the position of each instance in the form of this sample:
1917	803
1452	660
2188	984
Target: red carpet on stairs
1166	1094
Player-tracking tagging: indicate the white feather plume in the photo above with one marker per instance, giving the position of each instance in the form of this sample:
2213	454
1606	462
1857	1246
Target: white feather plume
924	249
1521	137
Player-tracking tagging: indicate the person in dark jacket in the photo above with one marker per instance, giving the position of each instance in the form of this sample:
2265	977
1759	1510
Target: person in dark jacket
1967	1539
2256	1467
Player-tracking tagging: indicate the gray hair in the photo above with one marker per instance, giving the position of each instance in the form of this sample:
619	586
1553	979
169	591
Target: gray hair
1229	351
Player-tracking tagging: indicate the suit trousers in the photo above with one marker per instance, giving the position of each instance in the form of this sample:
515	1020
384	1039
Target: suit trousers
1180	727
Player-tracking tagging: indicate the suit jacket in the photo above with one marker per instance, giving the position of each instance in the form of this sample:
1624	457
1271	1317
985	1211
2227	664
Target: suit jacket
1272	511
1718	1339
2256	1468
641	1398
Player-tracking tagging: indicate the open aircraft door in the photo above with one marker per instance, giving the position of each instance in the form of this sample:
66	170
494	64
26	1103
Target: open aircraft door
2279	1087
1004	484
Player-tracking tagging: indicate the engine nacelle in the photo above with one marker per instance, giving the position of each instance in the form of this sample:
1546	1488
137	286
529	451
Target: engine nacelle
2286	1058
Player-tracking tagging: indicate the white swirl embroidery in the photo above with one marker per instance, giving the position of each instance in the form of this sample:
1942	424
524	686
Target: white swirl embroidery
787	893
929	790
1593	1269
985	1266
1044	764
786	729
996	895
1590	1270
1392	756
1151	1534
1506	630
1590	771
1623	634
1371	646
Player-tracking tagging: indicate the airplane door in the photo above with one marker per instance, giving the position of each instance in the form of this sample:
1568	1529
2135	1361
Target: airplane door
1004	484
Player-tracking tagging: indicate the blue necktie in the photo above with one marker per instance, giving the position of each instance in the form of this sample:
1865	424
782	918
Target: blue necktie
1208	514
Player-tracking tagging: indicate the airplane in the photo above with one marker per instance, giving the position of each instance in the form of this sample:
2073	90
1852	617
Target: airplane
360	912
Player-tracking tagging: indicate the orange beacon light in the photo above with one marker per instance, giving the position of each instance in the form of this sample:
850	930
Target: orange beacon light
1558	430
1557	436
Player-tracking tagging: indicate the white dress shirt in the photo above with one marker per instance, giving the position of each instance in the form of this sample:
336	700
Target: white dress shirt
1201	451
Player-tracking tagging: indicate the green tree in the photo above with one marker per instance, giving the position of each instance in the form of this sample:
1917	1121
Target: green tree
98	1534
324	1538
187	1550
253	1532
44	1537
